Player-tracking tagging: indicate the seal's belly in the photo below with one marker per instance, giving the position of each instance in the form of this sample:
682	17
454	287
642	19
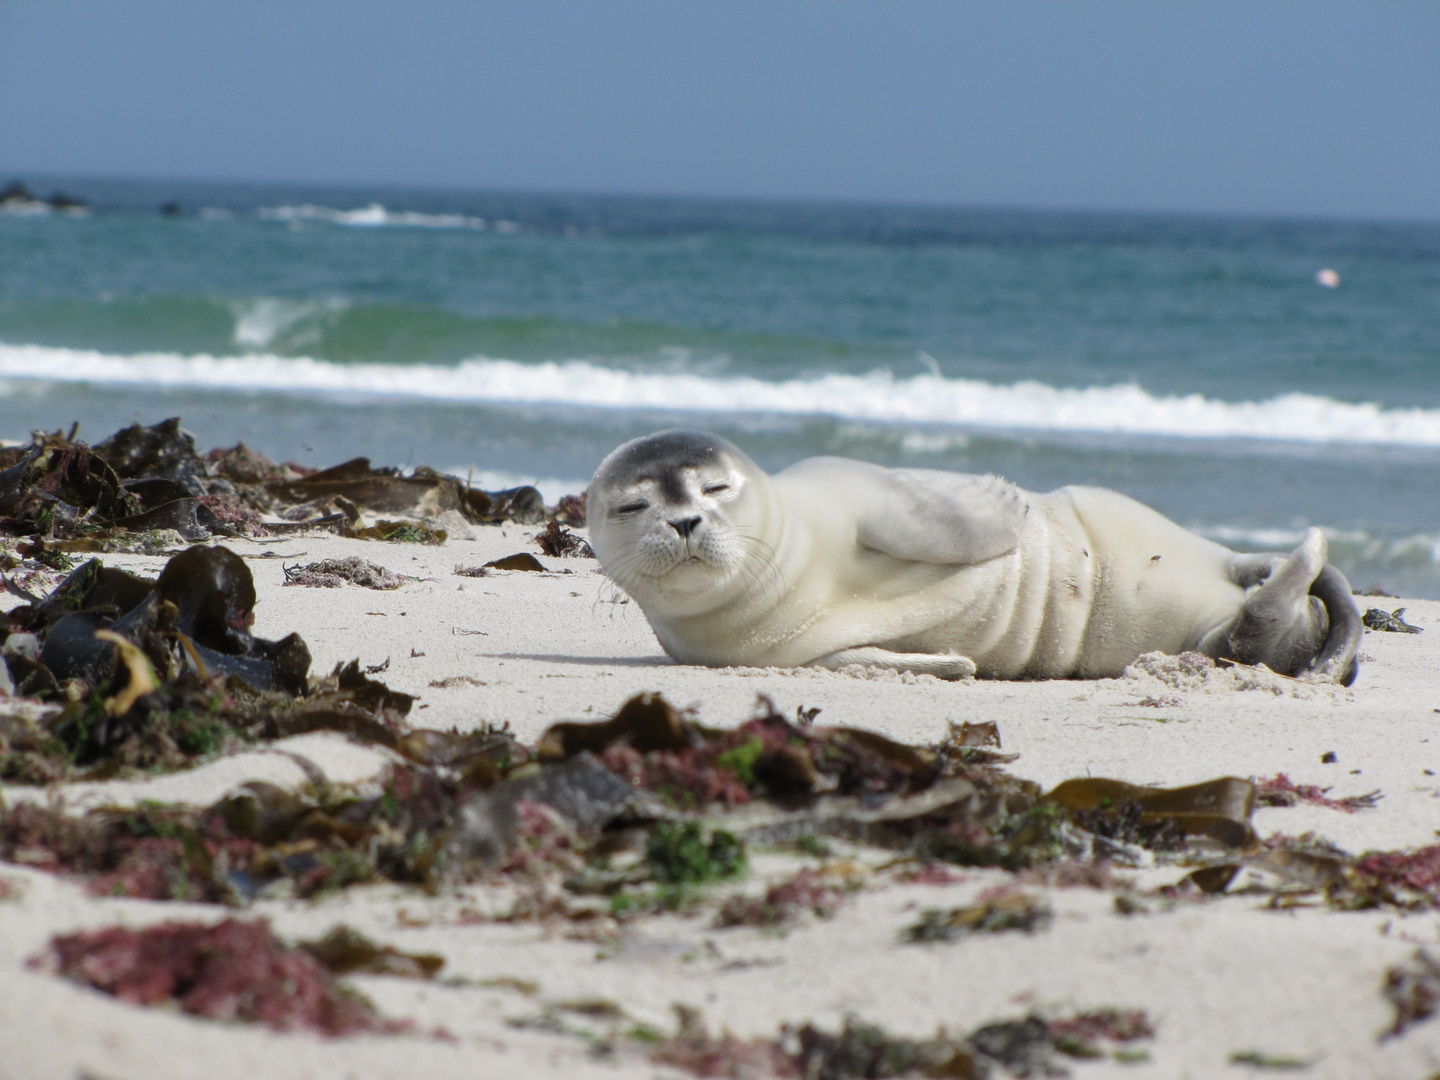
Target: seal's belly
1097	580
1025	613
1158	586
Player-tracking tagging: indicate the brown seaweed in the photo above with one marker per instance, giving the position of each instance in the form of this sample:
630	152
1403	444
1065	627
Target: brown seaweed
1217	809
147	482
1010	911
1413	989
521	560
345	951
102	633
560	543
1390	621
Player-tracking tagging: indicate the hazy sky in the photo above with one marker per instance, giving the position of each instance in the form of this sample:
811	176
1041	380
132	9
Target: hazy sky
1312	108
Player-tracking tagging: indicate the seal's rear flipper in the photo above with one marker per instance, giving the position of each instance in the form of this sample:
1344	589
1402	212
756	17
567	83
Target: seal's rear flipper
1337	657
1300	619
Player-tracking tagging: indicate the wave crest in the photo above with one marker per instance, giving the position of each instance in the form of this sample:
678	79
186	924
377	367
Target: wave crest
376	216
879	396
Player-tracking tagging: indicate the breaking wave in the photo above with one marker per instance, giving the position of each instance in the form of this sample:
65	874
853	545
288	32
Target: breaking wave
376	216
879	396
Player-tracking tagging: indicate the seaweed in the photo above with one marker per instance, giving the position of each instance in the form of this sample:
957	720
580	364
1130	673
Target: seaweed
334	573
1391	621
1218	810
521	560
345	951
397	532
807	892
667	752
151	674
1260	1059
1011	911
1413	988
681	854
144	482
685	799
1280	790
570	510
861	1051
560	543
233	970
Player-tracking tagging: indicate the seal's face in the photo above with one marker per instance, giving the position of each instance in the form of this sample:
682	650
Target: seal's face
668	519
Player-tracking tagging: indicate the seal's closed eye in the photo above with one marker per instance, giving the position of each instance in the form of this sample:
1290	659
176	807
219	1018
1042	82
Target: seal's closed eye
715	489
632	508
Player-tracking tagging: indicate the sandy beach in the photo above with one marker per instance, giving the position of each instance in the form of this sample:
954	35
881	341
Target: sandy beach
1232	984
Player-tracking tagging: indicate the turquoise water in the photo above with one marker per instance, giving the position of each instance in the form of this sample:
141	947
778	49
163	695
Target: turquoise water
1195	363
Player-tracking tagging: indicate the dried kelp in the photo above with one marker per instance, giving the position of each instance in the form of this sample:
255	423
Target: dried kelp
233	970
1010	911
1024	1047
145	483
521	560
1293	869
1218	810
1391	621
345	951
138	481
561	543
137	672
685	800
667	752
1414	989
570	510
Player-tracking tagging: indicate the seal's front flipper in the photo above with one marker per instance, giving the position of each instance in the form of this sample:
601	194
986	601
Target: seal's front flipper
1300	618
941	665
923	515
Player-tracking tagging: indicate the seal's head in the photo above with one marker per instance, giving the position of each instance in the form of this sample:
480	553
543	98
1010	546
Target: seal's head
677	519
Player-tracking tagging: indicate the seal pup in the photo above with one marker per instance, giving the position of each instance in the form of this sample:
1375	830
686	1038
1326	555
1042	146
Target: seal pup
834	562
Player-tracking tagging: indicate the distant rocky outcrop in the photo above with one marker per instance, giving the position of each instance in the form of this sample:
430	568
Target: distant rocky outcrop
17	199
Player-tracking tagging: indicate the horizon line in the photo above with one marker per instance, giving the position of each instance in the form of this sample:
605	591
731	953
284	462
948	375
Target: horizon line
11	175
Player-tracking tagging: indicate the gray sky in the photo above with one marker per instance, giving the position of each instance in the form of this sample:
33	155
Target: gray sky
1313	108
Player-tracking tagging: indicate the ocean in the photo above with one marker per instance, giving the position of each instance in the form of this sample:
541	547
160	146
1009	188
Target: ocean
1196	363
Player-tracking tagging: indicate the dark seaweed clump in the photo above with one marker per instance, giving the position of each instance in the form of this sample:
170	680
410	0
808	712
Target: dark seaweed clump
144	485
1030	1046
126	671
689	799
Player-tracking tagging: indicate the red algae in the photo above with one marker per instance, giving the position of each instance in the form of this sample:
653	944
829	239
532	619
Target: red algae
806	892
233	970
1383	873
1280	790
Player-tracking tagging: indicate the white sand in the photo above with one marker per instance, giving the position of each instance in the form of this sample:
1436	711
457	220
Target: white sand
1217	978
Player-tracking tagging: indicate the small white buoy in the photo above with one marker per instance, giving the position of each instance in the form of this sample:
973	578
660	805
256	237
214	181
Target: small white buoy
1327	278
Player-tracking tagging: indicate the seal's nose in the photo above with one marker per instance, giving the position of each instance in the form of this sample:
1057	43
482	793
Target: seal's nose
685	526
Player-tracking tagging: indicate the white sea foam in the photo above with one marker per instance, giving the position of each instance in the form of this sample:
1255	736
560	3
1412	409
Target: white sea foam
372	216
259	322
1352	545
879	396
